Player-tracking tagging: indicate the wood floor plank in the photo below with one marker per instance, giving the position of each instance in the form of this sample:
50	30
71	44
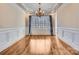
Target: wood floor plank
22	47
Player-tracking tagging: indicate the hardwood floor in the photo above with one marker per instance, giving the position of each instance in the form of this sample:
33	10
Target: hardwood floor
57	47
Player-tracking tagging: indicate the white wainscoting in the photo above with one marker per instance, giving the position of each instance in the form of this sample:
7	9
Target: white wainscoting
70	36
9	36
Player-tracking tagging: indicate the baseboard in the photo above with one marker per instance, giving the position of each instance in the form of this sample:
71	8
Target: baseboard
70	36
9	36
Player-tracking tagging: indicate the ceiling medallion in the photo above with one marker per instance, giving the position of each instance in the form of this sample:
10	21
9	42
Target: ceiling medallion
39	12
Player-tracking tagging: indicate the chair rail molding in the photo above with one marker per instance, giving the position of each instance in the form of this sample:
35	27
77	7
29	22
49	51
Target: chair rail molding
9	36
69	35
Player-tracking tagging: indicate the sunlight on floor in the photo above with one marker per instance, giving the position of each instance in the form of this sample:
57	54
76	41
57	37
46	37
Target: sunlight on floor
40	46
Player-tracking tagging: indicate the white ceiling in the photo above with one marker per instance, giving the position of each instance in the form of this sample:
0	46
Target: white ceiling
32	7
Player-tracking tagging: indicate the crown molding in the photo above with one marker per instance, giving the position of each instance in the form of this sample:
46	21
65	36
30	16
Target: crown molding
21	6
58	5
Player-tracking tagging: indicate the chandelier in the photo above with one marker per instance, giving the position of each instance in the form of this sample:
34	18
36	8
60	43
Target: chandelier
39	12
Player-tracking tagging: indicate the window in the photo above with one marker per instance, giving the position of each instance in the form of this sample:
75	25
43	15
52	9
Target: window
40	25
